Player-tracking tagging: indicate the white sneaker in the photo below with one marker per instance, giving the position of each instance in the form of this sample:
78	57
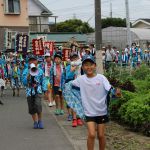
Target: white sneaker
53	103
50	104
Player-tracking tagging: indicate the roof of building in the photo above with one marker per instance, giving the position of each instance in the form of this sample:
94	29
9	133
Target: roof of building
43	7
141	33
61	37
146	21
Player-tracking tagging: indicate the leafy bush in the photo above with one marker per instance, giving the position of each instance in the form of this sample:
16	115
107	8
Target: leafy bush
114	107
115	104
136	112
114	82
133	108
141	73
142	86
128	86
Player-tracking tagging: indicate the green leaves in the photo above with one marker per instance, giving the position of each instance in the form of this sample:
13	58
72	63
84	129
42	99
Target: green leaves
133	108
74	25
115	22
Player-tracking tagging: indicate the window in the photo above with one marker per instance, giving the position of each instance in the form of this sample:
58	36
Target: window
12	6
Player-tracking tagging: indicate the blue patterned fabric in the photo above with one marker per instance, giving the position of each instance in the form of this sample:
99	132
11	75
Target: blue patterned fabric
40	81
73	99
15	77
69	75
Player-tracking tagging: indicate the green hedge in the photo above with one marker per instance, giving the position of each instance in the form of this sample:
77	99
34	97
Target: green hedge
133	108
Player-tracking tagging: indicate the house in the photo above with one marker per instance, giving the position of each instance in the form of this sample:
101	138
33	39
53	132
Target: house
141	23
21	16
13	17
39	16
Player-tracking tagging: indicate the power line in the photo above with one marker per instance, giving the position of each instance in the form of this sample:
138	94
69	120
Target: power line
76	7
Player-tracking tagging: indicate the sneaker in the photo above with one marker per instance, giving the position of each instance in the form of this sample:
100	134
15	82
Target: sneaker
40	125
53	103
57	112
35	125
50	104
1	103
74	123
79	122
13	93
69	118
61	112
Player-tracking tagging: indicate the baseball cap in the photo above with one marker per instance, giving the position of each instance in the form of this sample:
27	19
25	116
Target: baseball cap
40	59
32	57
47	55
72	55
88	58
87	49
58	55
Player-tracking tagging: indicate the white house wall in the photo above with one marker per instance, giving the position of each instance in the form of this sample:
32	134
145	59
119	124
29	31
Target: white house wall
33	8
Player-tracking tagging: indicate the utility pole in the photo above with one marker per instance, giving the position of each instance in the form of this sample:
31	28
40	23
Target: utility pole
74	16
98	36
129	40
110	9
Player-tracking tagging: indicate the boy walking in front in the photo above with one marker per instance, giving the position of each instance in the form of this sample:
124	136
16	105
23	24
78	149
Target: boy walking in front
34	81
94	89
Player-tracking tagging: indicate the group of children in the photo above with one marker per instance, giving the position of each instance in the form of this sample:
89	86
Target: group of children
74	83
132	57
87	91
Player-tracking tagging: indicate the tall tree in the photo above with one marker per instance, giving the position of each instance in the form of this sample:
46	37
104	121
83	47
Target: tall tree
74	25
115	22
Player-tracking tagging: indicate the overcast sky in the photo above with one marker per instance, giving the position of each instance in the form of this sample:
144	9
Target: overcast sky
84	9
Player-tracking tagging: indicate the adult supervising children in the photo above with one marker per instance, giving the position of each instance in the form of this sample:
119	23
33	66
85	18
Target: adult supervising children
94	89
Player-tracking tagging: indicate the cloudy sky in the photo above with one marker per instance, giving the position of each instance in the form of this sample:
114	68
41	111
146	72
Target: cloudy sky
84	9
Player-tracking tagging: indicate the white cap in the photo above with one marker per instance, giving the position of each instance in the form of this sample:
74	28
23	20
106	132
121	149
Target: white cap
47	54
117	51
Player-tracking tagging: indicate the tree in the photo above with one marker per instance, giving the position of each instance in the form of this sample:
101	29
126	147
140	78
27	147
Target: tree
74	25
115	22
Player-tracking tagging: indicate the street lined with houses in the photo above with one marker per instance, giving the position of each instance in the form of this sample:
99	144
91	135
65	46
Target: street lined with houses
73	80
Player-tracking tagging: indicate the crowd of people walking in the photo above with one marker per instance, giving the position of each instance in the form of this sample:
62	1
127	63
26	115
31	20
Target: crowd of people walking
72	84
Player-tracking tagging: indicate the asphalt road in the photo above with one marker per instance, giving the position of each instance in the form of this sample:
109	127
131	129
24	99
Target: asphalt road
16	132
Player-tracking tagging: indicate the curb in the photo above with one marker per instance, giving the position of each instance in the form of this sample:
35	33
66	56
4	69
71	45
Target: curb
62	128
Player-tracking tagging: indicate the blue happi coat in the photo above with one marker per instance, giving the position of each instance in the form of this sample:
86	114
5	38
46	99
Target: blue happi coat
15	77
40	81
53	74
72	97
